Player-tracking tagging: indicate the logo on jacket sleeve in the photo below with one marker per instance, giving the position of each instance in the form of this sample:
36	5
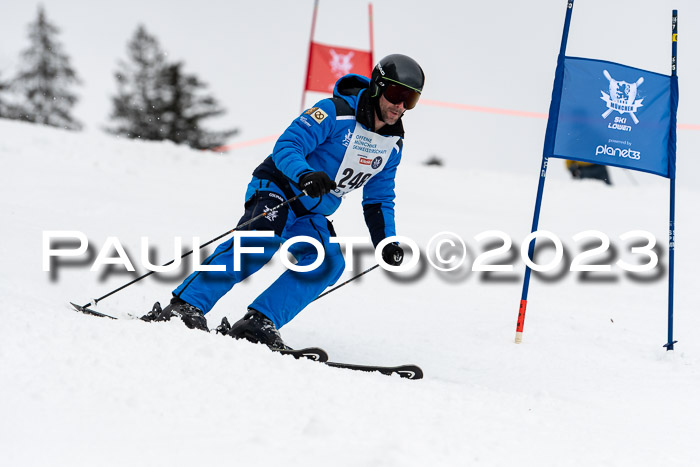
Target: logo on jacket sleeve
317	114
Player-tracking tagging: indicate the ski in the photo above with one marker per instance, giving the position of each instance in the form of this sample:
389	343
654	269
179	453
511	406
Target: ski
316	354
88	311
404	371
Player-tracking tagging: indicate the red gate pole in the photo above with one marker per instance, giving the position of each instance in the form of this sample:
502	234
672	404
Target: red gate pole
308	60
371	38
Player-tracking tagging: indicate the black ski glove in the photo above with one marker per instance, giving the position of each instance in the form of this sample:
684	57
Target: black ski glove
392	254
316	184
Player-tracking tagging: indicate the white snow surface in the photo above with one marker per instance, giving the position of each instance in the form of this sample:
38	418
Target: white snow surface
591	385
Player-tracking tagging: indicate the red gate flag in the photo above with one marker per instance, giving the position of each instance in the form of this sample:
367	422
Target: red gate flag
328	63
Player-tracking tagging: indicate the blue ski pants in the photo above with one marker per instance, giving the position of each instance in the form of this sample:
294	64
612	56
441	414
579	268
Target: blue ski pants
293	290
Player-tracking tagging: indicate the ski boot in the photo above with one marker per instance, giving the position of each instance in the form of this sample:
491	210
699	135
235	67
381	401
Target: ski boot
255	327
192	316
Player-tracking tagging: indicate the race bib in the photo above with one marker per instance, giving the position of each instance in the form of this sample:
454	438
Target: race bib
366	156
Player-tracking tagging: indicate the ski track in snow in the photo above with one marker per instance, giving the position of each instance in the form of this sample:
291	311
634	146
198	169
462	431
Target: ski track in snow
590	385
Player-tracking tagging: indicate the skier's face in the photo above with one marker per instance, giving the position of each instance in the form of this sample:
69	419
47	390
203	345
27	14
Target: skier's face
390	112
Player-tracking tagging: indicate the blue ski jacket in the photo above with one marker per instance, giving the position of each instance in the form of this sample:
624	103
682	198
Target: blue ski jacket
325	137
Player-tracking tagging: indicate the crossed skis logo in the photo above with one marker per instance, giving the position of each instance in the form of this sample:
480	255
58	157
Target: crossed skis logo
622	98
270	214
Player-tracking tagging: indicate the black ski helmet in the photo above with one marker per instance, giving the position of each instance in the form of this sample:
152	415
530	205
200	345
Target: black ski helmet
397	69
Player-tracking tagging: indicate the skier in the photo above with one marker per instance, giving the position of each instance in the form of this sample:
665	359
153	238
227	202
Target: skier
352	140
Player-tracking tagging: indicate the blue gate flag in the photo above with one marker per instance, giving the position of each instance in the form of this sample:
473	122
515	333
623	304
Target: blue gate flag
616	115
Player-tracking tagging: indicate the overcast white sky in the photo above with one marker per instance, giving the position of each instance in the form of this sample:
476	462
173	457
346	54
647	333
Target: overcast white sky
486	53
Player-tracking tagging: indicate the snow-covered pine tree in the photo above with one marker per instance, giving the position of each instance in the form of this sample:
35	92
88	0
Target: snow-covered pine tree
186	107
45	78
5	111
156	100
137	106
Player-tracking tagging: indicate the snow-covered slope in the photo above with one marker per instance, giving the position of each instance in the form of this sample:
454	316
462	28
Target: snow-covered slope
590	385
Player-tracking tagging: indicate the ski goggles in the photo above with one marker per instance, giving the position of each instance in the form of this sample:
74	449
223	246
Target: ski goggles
396	94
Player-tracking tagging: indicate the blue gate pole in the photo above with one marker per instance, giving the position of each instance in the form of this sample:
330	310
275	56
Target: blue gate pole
672	176
547	150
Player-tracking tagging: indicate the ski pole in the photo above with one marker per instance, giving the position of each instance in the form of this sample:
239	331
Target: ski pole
94	301
347	281
629	174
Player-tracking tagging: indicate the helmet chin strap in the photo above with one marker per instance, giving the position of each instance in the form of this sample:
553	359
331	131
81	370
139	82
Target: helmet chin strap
375	100
377	108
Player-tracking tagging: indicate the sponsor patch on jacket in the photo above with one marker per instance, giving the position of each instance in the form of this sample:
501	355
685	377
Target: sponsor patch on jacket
317	114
